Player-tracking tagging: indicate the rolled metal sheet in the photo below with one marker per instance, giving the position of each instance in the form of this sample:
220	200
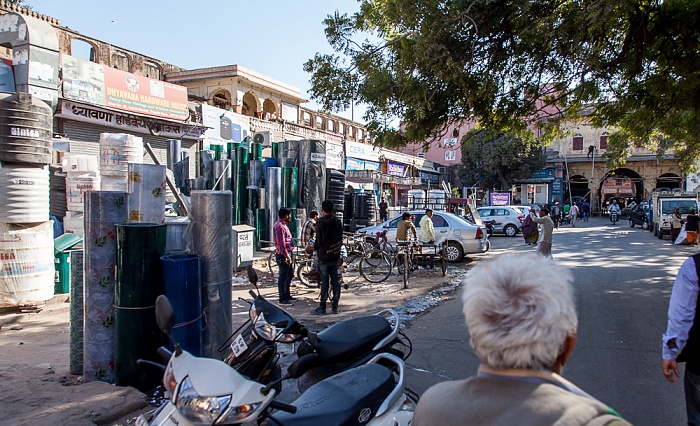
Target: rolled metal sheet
221	173
274	147
204	164
312	174
182	282
146	197
174	152
256	150
290	179
231	149
239	183
103	210
256	176
218	151
260	227
252	199
77	312
139	282
274	198
287	162
210	238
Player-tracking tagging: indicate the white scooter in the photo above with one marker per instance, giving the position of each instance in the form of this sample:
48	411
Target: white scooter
206	391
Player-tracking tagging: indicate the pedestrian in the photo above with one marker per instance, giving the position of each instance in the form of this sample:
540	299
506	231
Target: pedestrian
427	231
403	228
308	229
681	342
284	248
565	210
522	326
544	248
573	214
329	239
691	227
585	210
676	224
383	210
556	214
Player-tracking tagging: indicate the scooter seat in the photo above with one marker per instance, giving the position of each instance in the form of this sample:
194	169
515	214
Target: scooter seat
350	339
342	399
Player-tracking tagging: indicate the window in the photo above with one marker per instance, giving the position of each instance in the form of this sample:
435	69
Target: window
578	143
604	141
450	155
417	219
502	212
421	155
439	221
484	212
395	222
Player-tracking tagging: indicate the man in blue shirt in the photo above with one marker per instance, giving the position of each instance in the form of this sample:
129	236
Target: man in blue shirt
681	342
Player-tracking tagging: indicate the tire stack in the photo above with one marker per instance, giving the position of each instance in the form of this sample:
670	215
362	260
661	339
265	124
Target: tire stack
363	211
335	191
348	210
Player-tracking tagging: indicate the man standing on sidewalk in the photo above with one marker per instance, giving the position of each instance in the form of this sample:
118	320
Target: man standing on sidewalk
427	231
383	210
284	247
573	214
329	238
681	342
545	246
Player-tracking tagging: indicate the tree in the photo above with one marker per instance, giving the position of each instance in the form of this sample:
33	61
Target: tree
495	159
519	63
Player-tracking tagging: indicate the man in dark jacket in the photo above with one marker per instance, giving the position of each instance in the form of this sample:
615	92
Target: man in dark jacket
329	238
691	227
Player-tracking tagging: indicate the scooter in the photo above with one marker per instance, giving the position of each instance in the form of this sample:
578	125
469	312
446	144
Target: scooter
614	217
205	391
344	345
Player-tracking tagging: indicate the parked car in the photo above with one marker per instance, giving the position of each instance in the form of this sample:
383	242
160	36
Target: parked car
462	237
526	209
508	218
639	215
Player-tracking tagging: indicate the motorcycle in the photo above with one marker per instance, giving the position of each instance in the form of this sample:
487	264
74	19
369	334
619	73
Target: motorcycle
489	223
344	345
614	217
205	391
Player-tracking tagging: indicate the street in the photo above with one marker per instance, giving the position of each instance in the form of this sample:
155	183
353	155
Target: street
623	280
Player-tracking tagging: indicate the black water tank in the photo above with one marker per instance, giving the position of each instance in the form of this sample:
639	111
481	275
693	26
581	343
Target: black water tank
364	207
335	191
26	125
57	192
348	206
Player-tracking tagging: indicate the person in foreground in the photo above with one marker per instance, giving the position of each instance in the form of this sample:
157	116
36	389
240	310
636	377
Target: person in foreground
522	327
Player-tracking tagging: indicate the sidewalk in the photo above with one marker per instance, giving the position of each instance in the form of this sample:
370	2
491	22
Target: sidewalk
36	386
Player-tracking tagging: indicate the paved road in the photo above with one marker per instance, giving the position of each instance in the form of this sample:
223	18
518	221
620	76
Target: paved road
623	280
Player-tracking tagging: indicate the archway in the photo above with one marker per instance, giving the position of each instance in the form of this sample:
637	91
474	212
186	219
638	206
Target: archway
579	188
669	180
250	105
269	108
623	185
221	98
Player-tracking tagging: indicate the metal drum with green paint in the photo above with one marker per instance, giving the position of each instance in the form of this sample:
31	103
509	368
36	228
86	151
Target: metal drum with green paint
139	282
256	150
260	227
290	179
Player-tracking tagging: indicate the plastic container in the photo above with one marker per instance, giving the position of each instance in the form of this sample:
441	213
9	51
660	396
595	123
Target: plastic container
77	185
24	194
26	129
117	151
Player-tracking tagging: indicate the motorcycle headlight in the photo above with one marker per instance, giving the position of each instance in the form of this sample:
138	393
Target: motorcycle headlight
271	333
200	409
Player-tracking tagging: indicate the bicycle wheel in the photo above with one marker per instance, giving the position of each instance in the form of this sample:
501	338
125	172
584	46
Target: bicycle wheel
407	266
303	268
272	266
443	260
376	266
354	251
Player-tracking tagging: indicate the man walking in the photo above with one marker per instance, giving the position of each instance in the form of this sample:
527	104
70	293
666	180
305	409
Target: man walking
544	248
329	238
308	229
556	214
573	214
383	210
585	210
681	342
284	247
427	231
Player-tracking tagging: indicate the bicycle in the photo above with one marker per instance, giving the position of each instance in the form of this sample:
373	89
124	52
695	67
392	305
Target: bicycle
405	258
376	266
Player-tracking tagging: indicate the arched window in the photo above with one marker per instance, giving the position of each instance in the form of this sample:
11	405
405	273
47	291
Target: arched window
306	118
221	98
83	50
341	128
331	126
270	109
121	61
151	70
250	104
319	123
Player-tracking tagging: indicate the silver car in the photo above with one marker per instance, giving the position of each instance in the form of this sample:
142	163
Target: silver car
462	237
507	219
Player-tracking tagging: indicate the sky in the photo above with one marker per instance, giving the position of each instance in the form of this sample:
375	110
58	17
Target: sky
273	37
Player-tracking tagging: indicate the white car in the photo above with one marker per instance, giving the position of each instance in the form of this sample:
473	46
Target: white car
508	219
462	237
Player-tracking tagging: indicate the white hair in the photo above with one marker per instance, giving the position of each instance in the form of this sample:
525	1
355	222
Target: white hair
519	310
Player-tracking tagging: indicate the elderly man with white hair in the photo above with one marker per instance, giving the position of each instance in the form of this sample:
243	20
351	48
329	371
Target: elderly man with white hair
522	323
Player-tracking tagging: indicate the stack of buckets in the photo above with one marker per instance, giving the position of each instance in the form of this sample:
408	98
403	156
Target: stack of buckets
82	175
26	233
117	151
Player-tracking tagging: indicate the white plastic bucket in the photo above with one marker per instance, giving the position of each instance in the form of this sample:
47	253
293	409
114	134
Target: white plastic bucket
26	264
80	163
117	150
24	194
77	184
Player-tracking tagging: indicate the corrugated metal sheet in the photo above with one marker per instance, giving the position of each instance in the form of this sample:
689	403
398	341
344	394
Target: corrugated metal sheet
85	139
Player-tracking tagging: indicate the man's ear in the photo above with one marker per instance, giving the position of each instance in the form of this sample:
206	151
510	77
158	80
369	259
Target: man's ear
566	350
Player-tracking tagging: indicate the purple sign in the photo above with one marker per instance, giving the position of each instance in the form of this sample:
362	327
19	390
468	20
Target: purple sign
500	198
395	169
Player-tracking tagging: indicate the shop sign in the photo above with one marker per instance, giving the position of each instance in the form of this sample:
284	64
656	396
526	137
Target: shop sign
429	178
543	174
395	169
127	123
224	126
105	86
361	151
370	165
334	155
557	187
354	164
499	198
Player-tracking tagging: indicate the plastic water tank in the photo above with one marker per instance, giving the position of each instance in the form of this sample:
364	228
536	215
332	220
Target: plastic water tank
117	151
335	191
24	194
415	199
26	129
437	199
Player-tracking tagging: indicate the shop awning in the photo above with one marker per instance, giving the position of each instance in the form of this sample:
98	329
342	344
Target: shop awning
369	176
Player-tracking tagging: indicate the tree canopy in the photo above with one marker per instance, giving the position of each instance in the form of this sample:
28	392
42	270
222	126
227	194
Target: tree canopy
494	160
517	64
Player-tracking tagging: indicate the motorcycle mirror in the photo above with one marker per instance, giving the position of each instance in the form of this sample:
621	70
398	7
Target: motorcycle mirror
253	277
165	315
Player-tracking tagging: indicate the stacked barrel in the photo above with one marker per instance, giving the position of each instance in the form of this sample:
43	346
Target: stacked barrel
26	233
82	175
